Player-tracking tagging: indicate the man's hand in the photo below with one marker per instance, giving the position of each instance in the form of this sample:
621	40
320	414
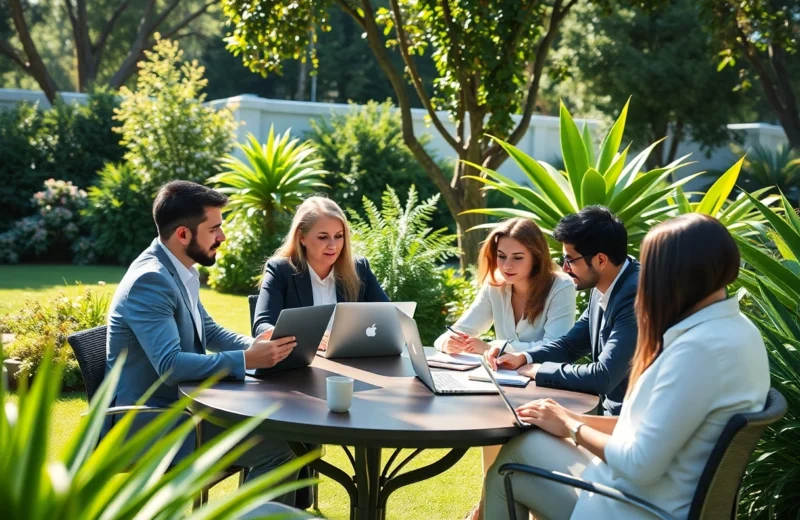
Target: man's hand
529	370
266	353
323	343
510	361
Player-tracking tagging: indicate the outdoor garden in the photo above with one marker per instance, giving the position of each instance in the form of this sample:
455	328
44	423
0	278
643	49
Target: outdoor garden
78	183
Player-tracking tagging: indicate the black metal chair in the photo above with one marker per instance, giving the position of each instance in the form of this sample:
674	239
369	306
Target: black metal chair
90	350
717	493
306	497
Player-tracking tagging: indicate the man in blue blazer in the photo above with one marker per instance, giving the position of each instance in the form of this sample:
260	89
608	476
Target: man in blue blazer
595	255
156	317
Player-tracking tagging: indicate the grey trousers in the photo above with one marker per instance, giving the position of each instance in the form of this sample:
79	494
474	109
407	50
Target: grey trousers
546	500
260	459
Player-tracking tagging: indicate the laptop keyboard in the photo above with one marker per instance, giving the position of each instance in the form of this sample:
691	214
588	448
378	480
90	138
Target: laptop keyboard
446	382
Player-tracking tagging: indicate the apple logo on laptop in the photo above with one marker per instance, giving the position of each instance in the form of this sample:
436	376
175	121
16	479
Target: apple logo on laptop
371	331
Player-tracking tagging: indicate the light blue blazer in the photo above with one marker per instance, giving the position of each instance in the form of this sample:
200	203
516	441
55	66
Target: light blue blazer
150	317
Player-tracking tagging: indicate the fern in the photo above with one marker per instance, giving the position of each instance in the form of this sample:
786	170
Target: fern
406	254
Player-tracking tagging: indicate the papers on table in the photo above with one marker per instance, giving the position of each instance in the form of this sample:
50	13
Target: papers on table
503	377
472	360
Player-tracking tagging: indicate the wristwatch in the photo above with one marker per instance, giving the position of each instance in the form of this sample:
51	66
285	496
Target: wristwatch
573	432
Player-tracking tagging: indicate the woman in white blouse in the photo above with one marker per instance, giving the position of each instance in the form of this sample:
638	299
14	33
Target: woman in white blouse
698	362
522	293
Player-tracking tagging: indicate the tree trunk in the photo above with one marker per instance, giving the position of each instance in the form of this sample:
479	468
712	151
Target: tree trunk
35	66
470	197
300	94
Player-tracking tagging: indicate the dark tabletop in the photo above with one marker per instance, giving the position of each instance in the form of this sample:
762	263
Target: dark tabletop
391	408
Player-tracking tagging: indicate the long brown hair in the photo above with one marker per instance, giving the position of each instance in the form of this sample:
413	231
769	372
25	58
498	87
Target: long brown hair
543	272
307	214
684	260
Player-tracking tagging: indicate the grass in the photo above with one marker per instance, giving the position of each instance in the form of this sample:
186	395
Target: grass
448	496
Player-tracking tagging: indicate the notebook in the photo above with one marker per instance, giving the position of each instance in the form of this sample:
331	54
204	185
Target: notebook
472	360
503	377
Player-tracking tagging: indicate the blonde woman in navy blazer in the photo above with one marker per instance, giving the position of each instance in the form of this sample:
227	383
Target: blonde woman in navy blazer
314	266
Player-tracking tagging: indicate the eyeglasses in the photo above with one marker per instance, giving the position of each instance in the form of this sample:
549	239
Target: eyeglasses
564	261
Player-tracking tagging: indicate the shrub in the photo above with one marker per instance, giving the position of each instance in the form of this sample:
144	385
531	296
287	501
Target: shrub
168	132
275	178
240	259
41	326
53	232
764	168
119	213
69	142
126	474
404	254
364	151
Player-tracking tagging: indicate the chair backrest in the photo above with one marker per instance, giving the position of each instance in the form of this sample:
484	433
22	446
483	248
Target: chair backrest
90	350
717	493
252	300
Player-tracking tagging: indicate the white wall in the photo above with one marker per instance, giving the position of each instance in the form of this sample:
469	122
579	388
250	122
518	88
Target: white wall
541	141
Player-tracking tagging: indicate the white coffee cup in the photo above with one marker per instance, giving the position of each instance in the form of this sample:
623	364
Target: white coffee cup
340	393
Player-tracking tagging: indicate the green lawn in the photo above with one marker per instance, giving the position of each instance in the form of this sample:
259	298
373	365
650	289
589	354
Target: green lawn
448	496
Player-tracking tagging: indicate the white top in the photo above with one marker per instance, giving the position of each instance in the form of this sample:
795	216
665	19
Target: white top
604	297
324	291
191	281
492	305
713	365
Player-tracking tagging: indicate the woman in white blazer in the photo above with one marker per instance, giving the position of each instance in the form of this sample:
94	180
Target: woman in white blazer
698	362
523	293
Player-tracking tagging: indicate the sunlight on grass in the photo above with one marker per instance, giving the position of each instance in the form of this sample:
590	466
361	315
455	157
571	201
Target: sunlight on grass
448	496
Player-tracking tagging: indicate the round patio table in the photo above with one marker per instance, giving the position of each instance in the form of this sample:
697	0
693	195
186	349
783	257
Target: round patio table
391	409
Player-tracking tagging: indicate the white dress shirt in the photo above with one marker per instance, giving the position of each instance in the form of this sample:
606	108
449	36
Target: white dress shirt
191	281
604	297
493	306
324	291
713	365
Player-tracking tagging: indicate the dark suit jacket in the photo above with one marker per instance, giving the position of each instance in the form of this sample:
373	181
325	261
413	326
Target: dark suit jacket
612	349
285	288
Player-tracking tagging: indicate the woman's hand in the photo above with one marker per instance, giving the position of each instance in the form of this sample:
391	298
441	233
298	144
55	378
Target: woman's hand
455	343
323	344
549	416
476	346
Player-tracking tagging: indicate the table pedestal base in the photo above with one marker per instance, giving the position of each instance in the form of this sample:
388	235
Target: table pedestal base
370	486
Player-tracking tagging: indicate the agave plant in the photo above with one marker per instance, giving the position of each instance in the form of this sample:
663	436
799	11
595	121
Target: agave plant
766	168
119	478
771	488
275	178
638	197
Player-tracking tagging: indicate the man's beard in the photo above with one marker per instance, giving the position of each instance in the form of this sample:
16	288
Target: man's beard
196	253
590	282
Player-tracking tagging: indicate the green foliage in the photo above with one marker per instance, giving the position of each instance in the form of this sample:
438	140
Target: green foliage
364	151
240	259
69	142
42	327
54	232
764	168
771	487
167	130
638	197
676	87
404	253
460	290
119	213
276	178
124	476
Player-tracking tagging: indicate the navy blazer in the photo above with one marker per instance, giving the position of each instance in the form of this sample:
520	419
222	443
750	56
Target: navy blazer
612	349
285	288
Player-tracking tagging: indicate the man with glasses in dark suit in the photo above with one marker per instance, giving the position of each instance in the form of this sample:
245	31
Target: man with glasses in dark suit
595	245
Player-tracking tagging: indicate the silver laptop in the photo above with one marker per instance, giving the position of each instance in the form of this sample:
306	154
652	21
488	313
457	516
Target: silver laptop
440	383
367	329
520	422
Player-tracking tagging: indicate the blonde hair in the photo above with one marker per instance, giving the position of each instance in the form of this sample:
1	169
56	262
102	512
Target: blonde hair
308	213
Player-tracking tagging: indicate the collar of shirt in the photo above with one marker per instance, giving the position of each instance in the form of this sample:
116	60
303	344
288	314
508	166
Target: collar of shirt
604	297
720	309
189	276
319	281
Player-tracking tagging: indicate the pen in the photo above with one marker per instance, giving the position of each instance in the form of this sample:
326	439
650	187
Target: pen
503	349
451	329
